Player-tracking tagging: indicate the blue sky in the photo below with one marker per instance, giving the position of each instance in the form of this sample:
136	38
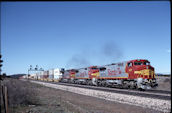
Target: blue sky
78	34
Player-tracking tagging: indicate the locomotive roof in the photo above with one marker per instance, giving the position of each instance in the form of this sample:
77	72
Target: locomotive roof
123	62
138	60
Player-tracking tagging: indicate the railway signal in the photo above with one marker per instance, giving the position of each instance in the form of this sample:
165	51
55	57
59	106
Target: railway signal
34	69
1	60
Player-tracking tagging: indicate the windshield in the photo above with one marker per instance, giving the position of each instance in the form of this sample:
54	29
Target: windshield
102	69
146	63
138	63
94	68
142	63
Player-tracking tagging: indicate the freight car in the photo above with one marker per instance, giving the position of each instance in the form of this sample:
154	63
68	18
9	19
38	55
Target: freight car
129	74
53	75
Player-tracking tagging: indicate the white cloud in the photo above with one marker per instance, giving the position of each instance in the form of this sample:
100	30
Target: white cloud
168	50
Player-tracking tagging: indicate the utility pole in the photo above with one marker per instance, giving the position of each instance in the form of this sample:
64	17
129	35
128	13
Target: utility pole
0	63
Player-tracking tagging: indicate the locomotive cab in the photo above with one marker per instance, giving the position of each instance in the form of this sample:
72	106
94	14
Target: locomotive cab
93	71
141	71
72	73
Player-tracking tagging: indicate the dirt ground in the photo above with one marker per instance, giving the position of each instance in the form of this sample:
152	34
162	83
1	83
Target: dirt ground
49	100
164	83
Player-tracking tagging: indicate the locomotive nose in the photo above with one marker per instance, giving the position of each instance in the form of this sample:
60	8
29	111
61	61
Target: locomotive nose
146	72
150	72
150	67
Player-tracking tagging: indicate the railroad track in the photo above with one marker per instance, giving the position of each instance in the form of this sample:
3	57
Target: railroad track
159	91
156	94
148	94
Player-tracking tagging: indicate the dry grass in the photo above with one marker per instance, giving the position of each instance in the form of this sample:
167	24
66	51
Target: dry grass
20	92
26	97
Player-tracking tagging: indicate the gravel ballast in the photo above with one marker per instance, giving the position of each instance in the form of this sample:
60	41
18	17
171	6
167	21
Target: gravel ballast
156	104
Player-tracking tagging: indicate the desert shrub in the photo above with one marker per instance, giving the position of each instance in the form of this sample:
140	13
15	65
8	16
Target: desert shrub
20	92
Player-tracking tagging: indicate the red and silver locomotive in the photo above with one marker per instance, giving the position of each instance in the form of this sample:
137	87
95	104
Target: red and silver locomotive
130	74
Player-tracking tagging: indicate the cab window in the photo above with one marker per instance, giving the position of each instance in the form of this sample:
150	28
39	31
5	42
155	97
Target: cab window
137	63
76	71
94	68
146	63
102	69
129	64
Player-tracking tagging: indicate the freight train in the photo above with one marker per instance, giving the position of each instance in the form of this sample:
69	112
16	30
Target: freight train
135	74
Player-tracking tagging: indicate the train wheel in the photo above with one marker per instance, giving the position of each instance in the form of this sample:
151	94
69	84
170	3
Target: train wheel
121	86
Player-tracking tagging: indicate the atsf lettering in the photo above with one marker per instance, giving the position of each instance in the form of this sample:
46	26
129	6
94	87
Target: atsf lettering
82	74
114	72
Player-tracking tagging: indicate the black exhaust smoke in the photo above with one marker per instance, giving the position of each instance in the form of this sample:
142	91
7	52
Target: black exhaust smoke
107	53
